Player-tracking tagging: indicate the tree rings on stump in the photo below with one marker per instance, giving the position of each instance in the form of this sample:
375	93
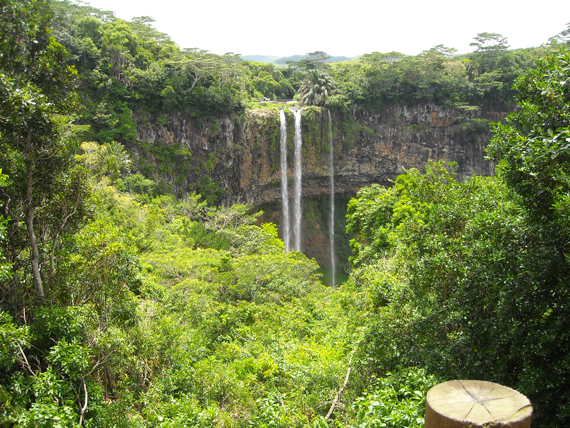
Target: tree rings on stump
475	403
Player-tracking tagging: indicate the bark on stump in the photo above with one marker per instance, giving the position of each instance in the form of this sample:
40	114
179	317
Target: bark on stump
475	403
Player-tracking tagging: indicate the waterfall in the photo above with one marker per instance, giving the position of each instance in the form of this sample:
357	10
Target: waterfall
331	225
284	190
297	187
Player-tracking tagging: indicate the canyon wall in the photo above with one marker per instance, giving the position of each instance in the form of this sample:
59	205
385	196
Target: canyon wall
241	154
237	159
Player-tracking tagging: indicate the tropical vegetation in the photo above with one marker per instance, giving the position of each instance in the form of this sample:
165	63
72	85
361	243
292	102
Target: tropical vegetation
123	304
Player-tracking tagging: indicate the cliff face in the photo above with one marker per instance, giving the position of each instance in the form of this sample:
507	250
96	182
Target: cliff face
241	155
237	159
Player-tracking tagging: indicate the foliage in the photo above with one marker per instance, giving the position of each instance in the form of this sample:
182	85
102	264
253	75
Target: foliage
44	194
210	190
109	159
264	331
562	37
460	281
160	311
312	61
532	148
131	75
368	217
534	142
130	66
396	400
316	89
483	78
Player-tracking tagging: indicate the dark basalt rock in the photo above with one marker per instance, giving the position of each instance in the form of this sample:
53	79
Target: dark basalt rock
246	156
396	139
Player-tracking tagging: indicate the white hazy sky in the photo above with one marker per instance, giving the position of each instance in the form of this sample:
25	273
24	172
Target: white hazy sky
349	28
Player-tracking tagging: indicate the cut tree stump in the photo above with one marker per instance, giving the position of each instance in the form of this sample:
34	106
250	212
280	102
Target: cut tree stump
476	403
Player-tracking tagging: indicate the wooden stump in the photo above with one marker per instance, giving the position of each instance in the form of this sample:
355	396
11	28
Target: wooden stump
475	403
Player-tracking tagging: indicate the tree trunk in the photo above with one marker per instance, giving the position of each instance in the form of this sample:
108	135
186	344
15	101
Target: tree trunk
35	256
474	403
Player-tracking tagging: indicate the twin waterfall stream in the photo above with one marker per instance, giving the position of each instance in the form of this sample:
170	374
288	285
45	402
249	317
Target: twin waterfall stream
292	238
284	191
331	224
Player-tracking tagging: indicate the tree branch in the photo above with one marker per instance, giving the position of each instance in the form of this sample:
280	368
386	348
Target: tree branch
241	337
337	398
25	361
85	404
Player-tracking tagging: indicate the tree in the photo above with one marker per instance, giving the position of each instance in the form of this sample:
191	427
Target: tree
441	50
36	89
471	279
561	38
4	267
490	43
461	281
381	77
313	60
533	150
492	66
533	145
377	57
119	44
317	88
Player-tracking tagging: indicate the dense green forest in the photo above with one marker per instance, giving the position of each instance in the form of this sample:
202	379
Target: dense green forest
129	74
131	65
123	305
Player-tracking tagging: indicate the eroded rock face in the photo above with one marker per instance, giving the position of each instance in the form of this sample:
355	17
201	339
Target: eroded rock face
373	148
406	138
242	155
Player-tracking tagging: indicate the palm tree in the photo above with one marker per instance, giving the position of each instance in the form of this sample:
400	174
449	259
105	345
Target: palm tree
112	159
317	88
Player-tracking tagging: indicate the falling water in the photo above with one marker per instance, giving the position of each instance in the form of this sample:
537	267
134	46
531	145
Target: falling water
297	187
284	191
331	225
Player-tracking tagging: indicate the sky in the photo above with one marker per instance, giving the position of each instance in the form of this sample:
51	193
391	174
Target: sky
349	28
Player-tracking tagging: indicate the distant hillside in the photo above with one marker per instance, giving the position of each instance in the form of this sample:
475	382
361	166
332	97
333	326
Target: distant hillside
283	60
300	57
268	59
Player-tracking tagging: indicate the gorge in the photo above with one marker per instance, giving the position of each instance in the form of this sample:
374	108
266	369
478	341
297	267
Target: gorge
244	156
144	189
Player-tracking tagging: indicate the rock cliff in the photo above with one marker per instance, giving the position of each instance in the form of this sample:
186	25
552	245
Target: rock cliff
241	154
237	159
